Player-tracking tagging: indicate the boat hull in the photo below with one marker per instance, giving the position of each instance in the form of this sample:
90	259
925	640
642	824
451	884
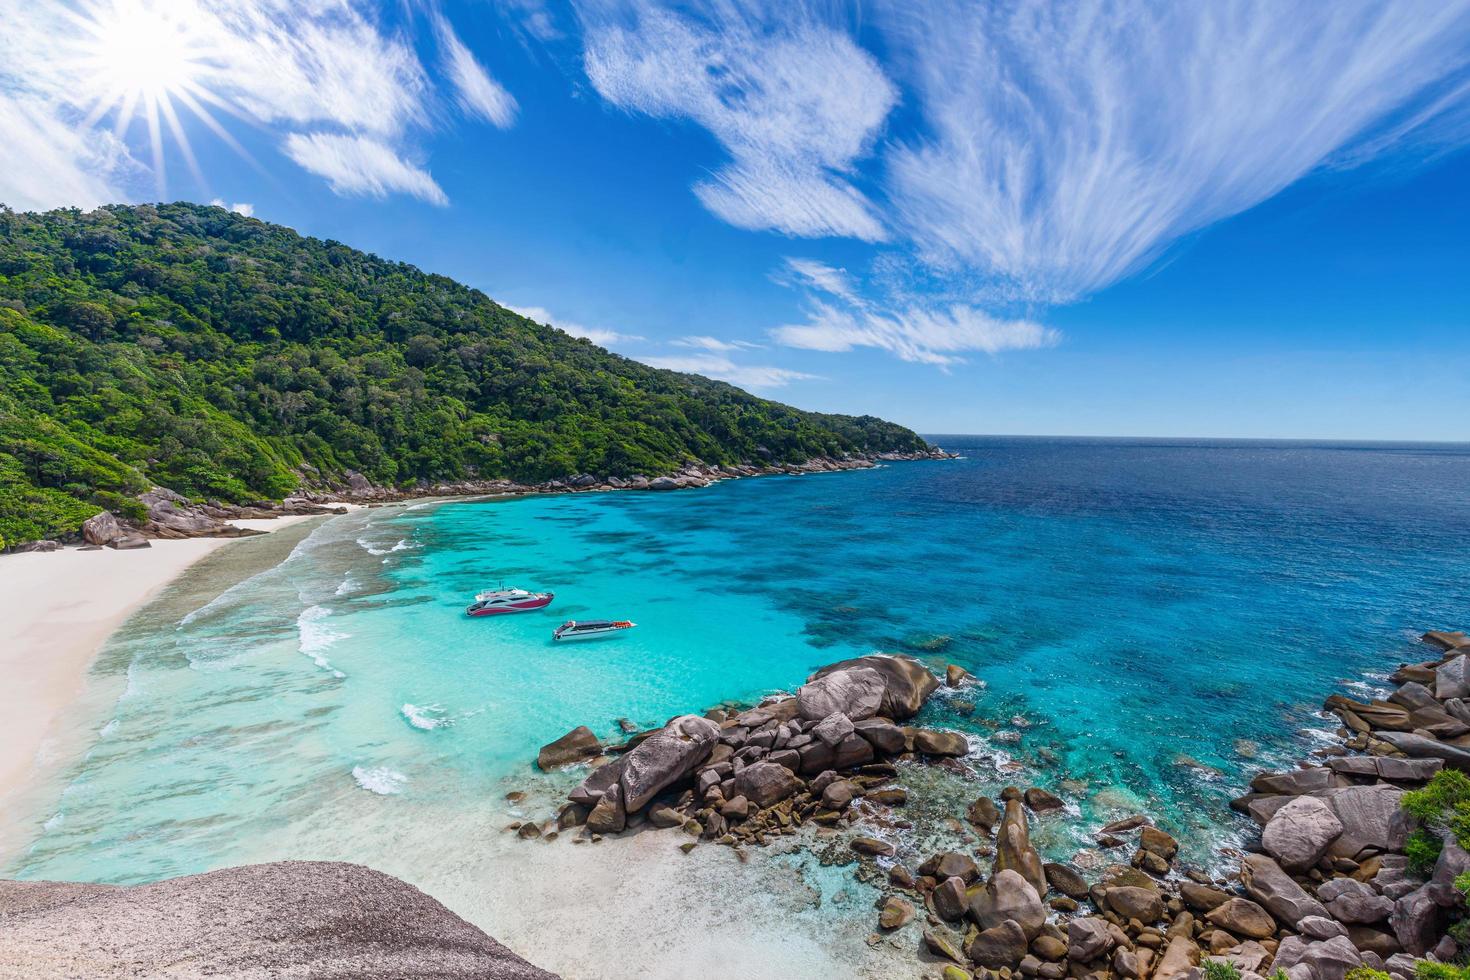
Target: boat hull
600	634
525	605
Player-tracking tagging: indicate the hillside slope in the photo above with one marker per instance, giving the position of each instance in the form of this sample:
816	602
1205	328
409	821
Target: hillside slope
231	359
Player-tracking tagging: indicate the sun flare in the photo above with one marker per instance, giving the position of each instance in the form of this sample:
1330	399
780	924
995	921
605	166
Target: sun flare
142	59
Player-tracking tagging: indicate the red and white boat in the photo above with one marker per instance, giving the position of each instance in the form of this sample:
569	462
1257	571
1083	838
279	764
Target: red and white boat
498	602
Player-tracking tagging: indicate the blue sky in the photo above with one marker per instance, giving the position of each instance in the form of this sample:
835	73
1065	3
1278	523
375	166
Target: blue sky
1218	219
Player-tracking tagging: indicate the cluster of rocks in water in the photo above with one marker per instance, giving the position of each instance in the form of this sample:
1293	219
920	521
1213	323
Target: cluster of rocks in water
1326	889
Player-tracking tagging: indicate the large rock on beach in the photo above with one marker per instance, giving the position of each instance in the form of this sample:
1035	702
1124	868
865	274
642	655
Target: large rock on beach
102	529
1088	938
1416	921
1421	747
1274	889
1372	818
658	761
1451	679
856	693
929	741
1298	834
1133	902
1008	896
573	747
286	919
906	684
1013	849
1354	902
882	734
1000	946
1180	956
1242	917
766	783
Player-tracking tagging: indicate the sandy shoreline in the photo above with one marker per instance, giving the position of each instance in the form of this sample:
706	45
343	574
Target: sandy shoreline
57	609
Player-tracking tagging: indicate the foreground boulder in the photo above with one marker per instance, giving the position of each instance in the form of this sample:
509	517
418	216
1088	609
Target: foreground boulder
1274	889
1298	834
290	918
661	759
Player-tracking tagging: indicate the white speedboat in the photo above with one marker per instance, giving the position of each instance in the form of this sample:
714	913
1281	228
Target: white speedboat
496	602
586	629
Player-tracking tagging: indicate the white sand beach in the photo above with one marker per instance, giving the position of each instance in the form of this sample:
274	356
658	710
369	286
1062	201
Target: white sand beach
57	609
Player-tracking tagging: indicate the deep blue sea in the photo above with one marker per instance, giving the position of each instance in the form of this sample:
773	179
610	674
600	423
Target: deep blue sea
1152	620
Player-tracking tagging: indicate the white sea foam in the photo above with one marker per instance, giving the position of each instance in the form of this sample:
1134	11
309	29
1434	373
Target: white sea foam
379	779
425	717
108	729
403	545
56	820
347	587
316	637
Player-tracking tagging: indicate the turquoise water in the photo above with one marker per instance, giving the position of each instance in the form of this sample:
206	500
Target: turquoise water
1152	620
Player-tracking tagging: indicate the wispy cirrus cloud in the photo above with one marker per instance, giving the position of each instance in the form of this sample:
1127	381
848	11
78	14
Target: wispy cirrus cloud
477	93
793	102
838	319
362	165
1068	144
1055	148
104	84
598	335
714	344
724	369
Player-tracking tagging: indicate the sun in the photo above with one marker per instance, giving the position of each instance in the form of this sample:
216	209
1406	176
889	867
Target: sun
139	60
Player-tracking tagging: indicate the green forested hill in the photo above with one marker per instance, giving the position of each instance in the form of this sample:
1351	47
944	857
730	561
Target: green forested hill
231	359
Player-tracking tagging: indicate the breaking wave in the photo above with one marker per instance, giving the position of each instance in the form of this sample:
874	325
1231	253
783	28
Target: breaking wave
379	779
425	717
316	637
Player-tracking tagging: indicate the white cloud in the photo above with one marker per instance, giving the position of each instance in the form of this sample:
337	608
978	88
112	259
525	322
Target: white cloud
598	335
1067	144
248	210
314	63
795	104
1057	147
478	94
723	369
714	344
913	333
361	165
811	274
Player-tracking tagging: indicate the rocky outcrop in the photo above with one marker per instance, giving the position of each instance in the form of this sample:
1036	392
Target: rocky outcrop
856	693
1330	889
1013	850
575	746
292	918
1298	834
906	683
737	776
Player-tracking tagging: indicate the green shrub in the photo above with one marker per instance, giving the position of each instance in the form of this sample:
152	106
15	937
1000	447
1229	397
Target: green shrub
1365	973
1434	805
1430	970
1220	970
1422	849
